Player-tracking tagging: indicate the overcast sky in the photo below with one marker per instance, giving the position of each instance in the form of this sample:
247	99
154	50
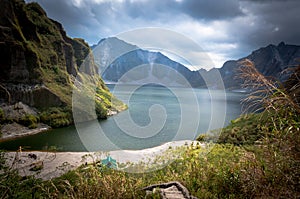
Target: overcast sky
225	29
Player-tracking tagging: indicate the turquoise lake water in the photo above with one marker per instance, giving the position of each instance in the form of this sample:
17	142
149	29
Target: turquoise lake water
156	115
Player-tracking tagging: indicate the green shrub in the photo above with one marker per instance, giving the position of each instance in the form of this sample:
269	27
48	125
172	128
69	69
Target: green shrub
101	110
56	69
2	116
29	120
57	117
202	137
15	186
245	130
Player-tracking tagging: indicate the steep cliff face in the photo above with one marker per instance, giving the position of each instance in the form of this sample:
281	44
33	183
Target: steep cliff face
36	50
39	62
271	61
293	85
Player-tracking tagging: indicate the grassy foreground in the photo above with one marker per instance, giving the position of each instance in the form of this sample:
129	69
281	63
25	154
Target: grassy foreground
269	169
256	156
216	171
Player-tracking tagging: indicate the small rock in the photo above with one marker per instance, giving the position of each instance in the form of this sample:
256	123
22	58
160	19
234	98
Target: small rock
32	155
37	166
170	190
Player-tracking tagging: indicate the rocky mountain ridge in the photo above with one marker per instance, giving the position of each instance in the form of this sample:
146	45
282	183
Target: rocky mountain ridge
116	58
272	61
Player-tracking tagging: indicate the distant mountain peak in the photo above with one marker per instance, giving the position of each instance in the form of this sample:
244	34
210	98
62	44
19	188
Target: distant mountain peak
115	41
271	61
281	44
116	57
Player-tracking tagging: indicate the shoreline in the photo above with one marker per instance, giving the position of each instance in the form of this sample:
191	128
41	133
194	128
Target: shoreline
56	164
14	130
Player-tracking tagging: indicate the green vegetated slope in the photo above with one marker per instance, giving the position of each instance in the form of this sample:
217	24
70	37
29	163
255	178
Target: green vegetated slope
270	139
39	64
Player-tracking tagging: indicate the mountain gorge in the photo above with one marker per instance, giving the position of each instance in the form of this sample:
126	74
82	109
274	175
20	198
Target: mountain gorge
116	58
39	64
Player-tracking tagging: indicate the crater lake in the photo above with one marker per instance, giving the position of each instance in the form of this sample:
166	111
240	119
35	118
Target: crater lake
155	115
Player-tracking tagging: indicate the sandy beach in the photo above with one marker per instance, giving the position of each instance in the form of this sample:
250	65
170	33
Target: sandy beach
56	164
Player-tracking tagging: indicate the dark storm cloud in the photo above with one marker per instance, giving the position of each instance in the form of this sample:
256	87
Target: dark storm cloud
111	17
212	9
149	9
74	19
198	9
233	27
271	21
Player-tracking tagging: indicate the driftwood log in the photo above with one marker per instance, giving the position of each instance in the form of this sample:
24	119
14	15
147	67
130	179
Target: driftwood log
170	190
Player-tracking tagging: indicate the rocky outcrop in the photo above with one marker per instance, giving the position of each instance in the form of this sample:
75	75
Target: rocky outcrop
15	115
36	50
34	95
169	190
39	63
15	130
17	111
272	61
